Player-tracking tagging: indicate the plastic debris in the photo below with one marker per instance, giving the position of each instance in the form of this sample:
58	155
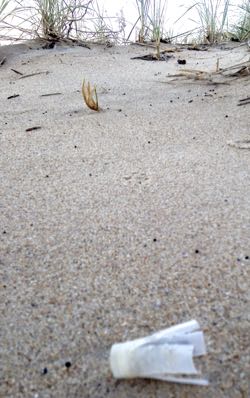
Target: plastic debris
165	355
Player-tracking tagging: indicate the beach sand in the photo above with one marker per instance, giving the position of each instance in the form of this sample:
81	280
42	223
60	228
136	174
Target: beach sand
119	223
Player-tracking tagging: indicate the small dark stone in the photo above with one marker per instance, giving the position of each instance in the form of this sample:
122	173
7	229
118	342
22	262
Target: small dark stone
226	115
171	100
194	138
47	176
190	101
154	239
90	174
149	142
68	364
238	259
150	104
4	232
119	110
181	61
45	371
246	257
197	251
75	146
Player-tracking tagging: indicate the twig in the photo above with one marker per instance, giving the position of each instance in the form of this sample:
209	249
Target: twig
33	128
13	96
50	94
3	60
33	74
16	71
137	43
218	65
240	144
244	101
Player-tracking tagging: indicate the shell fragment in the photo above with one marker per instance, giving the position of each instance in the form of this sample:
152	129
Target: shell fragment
165	355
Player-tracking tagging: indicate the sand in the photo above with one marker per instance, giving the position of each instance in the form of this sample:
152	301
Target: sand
120	223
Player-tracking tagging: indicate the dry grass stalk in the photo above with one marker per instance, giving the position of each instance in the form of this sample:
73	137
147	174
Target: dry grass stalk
90	96
218	65
226	75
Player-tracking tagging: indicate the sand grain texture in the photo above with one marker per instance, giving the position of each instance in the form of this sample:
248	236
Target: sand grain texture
119	223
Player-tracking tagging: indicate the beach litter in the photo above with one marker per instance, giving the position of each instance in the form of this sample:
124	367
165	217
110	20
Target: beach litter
165	355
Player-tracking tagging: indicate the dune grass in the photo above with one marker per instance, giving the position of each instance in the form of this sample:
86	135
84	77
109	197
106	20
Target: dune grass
99	27
85	20
46	19
143	12
152	17
55	19
3	5
241	30
212	18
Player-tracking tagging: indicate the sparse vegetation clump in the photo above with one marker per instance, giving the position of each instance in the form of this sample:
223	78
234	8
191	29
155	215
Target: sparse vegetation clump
86	20
241	31
151	16
212	19
53	19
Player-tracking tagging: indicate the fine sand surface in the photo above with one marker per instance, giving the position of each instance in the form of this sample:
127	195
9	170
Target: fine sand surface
120	223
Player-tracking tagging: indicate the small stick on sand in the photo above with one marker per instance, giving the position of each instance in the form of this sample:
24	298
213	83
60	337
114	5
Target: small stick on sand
16	71
3	60
50	94
244	101
13	96
33	74
217	65
33	128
